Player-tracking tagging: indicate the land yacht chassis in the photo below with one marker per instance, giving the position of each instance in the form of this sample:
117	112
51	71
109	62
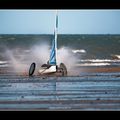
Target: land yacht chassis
51	68
60	71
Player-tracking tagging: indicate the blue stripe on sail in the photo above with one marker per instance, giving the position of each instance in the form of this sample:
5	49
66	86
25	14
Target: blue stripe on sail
53	61
52	57
53	54
53	51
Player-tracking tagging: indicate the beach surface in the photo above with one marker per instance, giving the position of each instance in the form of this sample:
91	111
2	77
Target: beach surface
98	91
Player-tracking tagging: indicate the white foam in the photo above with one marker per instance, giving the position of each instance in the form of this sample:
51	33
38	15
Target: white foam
79	51
99	60
93	64
4	65
12	38
26	51
3	62
117	56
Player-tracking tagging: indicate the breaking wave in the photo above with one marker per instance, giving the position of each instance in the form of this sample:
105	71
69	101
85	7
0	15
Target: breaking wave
99	60
3	62
79	51
116	56
93	64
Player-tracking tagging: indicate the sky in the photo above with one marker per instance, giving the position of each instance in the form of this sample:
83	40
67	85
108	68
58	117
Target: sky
70	21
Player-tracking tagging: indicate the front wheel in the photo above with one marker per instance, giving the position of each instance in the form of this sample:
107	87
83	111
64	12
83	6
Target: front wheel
32	69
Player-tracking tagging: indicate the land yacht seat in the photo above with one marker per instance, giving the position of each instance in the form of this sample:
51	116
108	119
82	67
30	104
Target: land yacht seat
46	65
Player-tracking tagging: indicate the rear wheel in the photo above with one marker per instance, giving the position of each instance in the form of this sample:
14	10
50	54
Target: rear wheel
32	69
64	69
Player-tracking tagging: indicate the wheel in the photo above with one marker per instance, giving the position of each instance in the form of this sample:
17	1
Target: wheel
64	69
32	69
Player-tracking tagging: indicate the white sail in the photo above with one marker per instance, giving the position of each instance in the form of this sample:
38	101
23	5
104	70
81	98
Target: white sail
53	54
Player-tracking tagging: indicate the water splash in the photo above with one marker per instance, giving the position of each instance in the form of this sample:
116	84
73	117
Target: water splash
21	59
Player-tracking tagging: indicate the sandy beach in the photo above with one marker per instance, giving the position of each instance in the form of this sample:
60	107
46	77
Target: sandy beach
101	69
78	70
60	93
97	89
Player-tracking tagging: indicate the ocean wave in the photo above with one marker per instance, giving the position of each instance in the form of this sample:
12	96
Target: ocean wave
26	51
3	62
4	65
93	64
12	38
115	56
79	51
99	60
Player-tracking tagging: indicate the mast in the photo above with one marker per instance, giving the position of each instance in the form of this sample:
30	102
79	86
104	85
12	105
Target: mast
56	32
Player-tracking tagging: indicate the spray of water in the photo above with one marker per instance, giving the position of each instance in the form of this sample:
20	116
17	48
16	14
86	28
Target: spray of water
20	60
66	56
16	64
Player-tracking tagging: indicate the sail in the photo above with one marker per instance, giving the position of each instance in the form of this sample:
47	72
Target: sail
53	54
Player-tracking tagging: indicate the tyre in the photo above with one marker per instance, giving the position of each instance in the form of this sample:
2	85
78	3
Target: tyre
32	69
64	69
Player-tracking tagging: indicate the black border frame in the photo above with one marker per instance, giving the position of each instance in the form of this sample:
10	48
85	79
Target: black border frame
60	4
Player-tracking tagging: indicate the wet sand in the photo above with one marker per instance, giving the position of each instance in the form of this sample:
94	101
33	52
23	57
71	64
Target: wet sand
78	70
100	69
96	90
60	93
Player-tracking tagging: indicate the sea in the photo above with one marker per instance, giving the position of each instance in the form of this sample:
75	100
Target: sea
90	50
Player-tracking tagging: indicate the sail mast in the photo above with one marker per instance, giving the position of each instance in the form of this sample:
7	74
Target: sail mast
56	32
53	55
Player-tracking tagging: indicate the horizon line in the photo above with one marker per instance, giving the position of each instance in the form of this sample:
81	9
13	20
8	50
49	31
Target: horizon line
60	34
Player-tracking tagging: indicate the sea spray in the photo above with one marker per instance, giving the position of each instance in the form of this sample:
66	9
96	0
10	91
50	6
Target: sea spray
17	66
66	56
21	60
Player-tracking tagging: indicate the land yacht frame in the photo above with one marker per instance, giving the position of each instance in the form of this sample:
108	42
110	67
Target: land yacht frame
51	67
